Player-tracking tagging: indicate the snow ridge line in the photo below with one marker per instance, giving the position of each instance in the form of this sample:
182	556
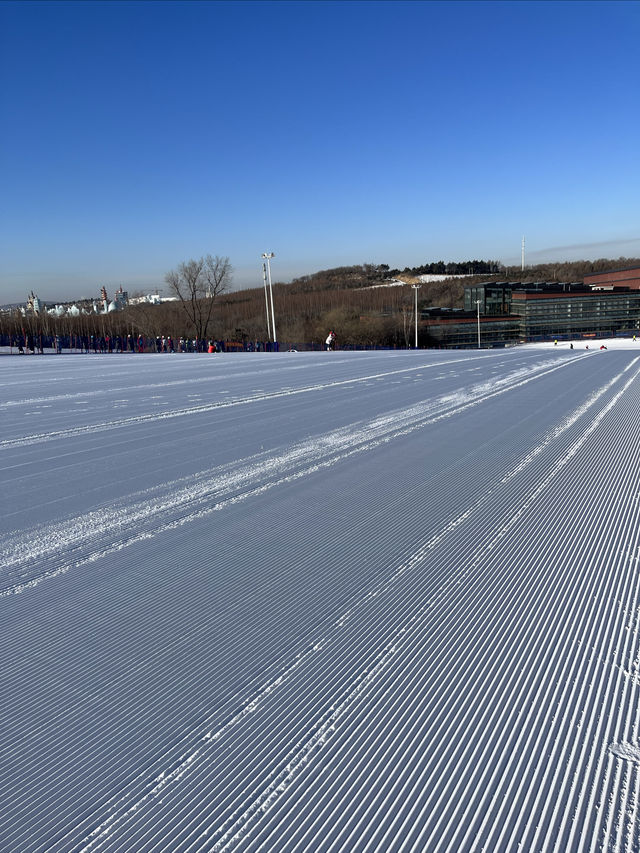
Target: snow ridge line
103	830
513	796
192	410
263	800
127	541
297	760
38	438
338	445
456	818
481	554
301	753
300	756
568	422
560	464
100	392
194	380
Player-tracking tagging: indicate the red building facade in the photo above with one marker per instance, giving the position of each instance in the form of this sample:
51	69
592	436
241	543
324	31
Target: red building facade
618	278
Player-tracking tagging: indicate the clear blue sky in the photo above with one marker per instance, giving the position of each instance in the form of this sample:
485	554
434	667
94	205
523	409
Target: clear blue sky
138	135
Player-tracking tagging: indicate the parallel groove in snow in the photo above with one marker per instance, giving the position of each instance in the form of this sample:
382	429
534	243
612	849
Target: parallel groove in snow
361	734
197	410
595	422
440	836
312	453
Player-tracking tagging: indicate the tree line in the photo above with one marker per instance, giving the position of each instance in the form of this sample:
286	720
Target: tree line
454	268
357	302
567	271
360	317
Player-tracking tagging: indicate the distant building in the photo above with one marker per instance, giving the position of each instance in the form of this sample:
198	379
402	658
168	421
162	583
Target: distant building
151	299
496	297
629	277
454	328
600	313
107	306
65	311
509	312
33	304
148	298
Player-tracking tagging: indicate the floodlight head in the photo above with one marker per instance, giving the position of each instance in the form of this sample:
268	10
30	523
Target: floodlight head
267	255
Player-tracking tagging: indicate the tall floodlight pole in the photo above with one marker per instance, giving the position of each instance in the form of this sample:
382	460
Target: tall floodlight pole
523	253
266	297
478	304
268	256
416	288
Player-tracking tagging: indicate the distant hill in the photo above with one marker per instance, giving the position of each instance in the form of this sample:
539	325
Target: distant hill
368	275
567	270
366	304
342	278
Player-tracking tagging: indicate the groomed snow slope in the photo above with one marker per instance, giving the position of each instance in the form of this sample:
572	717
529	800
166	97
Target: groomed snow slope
320	602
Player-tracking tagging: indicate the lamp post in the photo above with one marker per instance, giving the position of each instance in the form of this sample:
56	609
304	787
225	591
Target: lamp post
416	288
478	304
266	297
267	256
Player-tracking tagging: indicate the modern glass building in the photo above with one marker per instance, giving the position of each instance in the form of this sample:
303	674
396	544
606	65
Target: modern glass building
457	328
519	311
494	298
569	315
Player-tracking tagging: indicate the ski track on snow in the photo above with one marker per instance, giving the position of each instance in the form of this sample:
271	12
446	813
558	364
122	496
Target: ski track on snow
227	836
379	741
213	489
203	379
38	438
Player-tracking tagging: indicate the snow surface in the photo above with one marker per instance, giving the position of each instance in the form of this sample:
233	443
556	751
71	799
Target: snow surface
427	278
592	344
321	601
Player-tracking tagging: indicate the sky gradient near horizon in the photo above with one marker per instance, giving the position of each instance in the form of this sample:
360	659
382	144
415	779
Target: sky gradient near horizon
137	135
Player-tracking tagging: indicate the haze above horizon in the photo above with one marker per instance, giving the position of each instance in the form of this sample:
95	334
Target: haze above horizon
140	134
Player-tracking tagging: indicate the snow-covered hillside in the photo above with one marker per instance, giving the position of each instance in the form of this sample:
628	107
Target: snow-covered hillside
321	601
428	278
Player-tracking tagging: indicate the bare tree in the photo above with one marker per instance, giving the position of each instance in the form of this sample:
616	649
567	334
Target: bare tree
196	283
